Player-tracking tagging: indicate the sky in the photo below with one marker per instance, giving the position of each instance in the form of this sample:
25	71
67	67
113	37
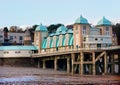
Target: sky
30	12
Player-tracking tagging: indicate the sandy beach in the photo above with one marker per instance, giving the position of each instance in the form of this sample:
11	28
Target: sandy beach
37	76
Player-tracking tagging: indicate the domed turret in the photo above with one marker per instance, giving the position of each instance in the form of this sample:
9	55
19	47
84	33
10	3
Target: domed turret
81	27
104	22
81	20
41	28
40	34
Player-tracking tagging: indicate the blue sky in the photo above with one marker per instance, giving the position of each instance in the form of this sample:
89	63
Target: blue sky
30	12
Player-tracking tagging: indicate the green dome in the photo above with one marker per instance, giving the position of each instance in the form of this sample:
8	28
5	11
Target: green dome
81	20
61	29
41	28
70	31
104	21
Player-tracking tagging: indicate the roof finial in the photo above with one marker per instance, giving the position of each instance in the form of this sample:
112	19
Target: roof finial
103	17
81	15
41	23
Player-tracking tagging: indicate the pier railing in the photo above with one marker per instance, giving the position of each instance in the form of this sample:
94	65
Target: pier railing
66	51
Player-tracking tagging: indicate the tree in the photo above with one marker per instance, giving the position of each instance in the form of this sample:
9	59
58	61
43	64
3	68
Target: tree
19	30
5	29
34	27
52	28
13	29
69	26
116	30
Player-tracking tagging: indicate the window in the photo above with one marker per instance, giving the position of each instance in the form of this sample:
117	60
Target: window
96	39
11	37
101	31
84	39
17	51
6	52
107	28
20	38
1	36
107	31
84	30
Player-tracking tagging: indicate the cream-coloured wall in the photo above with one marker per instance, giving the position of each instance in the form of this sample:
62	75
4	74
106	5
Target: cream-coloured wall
16	37
38	39
60	41
54	40
48	42
94	31
94	39
1	53
13	54
67	39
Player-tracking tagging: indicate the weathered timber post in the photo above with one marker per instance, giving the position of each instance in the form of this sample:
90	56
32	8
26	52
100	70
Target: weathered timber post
93	60
105	63
81	63
55	64
44	64
112	65
72	60
90	66
68	65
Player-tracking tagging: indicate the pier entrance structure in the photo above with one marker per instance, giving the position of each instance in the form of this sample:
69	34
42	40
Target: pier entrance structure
84	49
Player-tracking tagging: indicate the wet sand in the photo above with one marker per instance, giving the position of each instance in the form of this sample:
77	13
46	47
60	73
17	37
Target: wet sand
35	76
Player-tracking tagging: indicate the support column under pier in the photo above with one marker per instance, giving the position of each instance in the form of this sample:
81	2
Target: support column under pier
105	63
72	61
93	60
68	65
55	64
112	65
81	63
44	64
38	64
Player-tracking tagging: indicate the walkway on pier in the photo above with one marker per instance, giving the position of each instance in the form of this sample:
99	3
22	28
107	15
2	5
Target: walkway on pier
90	61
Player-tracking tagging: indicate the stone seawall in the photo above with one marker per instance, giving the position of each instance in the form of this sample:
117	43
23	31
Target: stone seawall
24	62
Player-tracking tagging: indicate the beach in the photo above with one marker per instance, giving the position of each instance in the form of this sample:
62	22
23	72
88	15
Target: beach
38	76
